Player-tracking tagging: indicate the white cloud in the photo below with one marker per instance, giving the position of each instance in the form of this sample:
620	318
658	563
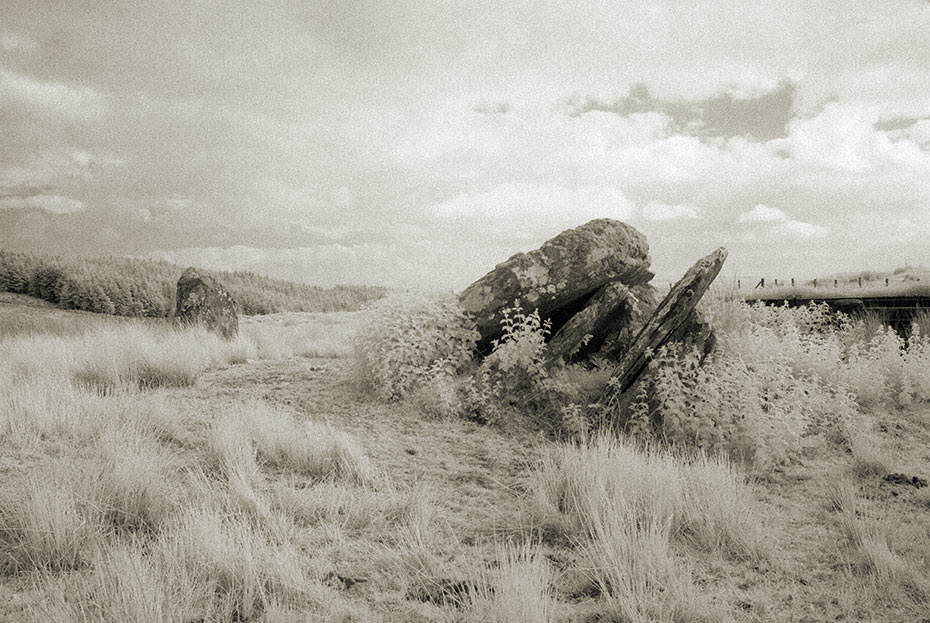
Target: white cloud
781	225
56	204
762	213
797	230
524	205
66	100
843	137
670	212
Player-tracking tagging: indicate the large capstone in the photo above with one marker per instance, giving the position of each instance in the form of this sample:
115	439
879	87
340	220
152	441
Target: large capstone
203	300
565	276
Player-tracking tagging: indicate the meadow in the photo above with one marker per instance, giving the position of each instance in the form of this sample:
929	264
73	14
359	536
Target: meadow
359	466
904	281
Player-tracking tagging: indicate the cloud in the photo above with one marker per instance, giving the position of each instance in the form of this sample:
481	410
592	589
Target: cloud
781	225
179	203
55	204
79	102
522	205
844	136
670	212
797	230
759	115
762	213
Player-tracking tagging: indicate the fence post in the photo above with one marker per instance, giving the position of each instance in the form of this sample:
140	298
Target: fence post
739	285
860	282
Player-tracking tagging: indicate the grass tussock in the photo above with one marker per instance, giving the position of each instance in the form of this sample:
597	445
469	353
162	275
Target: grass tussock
517	590
137	484
255	434
870	535
639	513
46	526
870	457
703	501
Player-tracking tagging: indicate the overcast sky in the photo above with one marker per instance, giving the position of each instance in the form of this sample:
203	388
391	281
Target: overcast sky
418	144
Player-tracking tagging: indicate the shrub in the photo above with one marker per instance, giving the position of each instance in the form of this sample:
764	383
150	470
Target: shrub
409	341
516	378
754	414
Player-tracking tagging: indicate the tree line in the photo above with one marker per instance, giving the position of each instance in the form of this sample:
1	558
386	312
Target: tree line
134	287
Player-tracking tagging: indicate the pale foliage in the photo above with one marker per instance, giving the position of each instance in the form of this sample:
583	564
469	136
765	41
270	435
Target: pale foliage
409	341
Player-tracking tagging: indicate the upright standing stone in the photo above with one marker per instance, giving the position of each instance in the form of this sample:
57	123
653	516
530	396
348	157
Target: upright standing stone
202	299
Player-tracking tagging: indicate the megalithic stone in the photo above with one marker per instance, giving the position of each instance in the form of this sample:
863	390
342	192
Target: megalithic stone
584	332
671	319
202	299
559	277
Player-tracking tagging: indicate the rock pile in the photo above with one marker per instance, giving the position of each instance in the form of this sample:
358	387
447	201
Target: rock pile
592	284
591	280
202	299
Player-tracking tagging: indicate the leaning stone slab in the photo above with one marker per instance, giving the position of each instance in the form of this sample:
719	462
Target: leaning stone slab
605	326
675	319
559	277
584	332
202	299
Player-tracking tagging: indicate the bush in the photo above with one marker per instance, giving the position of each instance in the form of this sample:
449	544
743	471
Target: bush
409	341
777	375
516	379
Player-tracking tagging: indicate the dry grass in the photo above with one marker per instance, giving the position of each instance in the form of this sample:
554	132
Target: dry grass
870	456
871	534
161	500
45	525
703	501
517	590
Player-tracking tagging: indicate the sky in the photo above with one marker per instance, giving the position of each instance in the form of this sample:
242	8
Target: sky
417	144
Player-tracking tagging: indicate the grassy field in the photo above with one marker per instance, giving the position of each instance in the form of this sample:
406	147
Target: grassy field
155	474
906	281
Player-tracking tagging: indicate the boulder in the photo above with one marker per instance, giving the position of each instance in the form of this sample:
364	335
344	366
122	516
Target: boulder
674	320
560	278
606	325
202	299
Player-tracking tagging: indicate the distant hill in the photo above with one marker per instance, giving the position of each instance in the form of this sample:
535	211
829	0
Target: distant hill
134	287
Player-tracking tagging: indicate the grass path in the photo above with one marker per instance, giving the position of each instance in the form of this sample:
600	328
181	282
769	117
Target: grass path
472	470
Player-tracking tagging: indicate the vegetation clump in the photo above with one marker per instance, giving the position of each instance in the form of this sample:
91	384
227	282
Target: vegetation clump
410	342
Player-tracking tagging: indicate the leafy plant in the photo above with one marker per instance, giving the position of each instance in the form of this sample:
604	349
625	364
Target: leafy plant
411	340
